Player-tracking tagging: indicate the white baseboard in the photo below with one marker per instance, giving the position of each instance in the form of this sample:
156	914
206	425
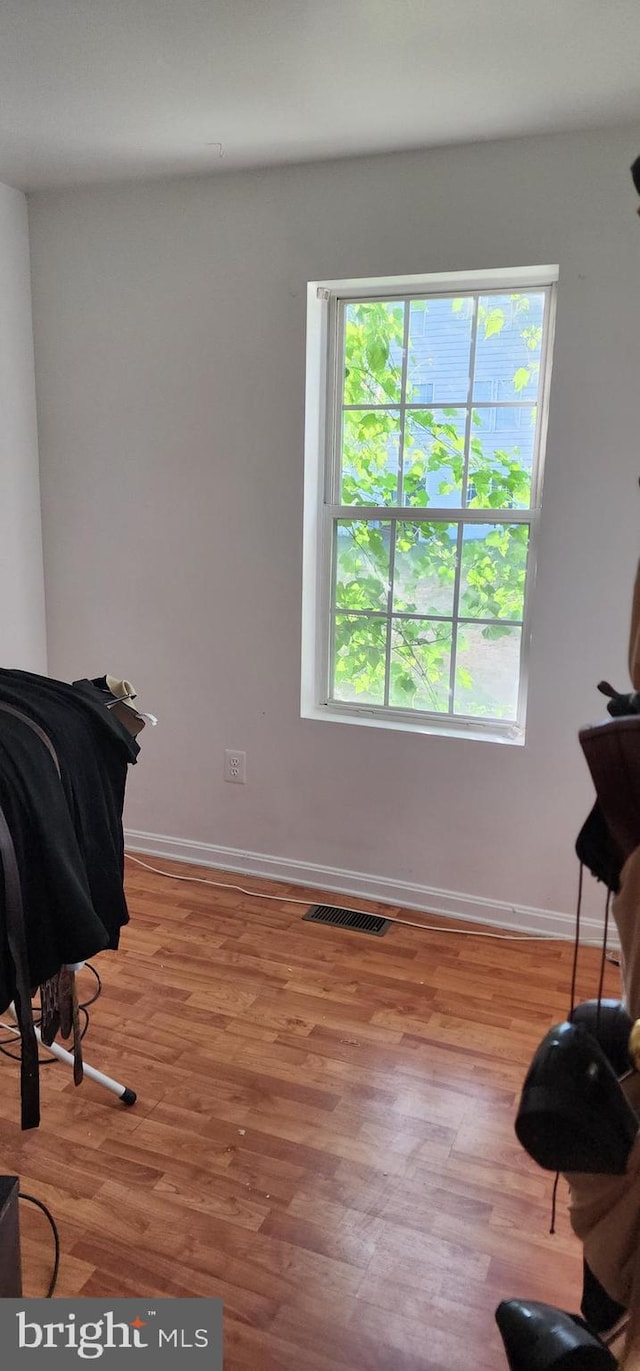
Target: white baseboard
426	899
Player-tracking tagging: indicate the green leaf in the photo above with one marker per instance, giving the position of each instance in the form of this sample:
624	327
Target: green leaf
521	378
369	423
377	354
494	322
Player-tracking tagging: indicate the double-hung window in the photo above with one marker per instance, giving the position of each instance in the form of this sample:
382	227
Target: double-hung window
425	427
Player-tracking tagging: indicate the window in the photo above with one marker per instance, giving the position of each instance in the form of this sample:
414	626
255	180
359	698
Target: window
426	415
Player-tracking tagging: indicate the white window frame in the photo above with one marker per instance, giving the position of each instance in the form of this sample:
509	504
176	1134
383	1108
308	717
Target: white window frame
323	394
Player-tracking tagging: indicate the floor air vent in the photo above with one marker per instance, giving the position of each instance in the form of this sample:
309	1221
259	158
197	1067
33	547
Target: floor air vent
348	918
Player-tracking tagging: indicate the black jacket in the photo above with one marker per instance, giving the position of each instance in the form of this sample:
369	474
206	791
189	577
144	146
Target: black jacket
67	827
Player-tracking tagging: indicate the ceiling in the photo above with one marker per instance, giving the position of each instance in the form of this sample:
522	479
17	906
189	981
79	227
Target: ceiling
106	90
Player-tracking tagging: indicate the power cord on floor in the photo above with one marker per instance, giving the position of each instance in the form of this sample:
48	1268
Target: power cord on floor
98	990
408	923
56	1239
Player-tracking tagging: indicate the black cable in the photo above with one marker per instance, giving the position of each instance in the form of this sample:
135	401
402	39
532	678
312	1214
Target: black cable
86	1003
603	957
43	1061
574	974
56	1238
554	1196
17	1056
576	944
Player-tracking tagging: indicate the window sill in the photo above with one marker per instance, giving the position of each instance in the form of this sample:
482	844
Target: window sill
510	734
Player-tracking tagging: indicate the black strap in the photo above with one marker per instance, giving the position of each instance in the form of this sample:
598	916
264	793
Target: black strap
44	737
17	940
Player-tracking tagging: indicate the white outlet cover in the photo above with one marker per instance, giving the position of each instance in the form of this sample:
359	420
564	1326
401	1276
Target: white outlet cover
235	766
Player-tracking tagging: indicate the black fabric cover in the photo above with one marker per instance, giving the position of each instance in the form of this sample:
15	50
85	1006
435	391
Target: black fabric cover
67	832
597	851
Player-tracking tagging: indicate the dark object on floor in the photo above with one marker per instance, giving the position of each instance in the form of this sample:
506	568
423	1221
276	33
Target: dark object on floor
573	1114
600	1311
10	1270
348	918
610	1025
635	172
538	1337
32	1199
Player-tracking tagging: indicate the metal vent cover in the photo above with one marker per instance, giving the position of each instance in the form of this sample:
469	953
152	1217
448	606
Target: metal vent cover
354	919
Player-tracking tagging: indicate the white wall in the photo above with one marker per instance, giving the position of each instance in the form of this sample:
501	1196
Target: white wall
170	325
22	624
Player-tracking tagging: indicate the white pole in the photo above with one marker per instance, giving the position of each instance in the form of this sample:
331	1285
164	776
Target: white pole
127	1096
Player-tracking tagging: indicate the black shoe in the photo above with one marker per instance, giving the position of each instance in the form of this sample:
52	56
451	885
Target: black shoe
573	1114
610	1027
538	1337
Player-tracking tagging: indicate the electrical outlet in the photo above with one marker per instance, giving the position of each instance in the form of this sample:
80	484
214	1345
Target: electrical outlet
235	766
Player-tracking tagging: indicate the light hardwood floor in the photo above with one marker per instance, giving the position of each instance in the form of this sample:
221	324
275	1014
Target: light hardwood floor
323	1135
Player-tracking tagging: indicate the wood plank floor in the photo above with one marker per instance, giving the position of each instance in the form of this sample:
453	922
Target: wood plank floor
323	1135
